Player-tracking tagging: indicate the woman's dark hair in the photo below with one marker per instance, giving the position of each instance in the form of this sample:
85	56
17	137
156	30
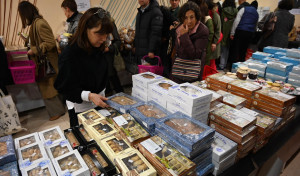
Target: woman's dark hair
203	7
93	17
189	6
71	4
286	4
229	3
211	4
28	13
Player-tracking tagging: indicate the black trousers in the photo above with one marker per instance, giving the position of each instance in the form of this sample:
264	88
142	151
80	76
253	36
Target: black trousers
238	48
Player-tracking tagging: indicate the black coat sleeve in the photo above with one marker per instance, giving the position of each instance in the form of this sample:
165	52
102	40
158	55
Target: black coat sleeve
156	30
116	43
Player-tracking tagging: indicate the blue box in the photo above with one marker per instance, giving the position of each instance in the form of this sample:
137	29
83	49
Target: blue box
278	55
290	60
295	53
122	108
12	168
10	155
191	154
190	141
281	66
294	76
276	77
273	50
277	72
205	171
294	82
148	122
260	55
296	69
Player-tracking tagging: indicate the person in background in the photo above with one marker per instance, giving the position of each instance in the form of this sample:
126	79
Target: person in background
41	38
192	37
83	68
5	75
242	3
228	15
174	9
203	8
242	32
284	24
148	30
215	43
73	16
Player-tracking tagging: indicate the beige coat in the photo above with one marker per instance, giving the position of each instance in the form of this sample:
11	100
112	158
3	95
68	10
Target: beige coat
41	35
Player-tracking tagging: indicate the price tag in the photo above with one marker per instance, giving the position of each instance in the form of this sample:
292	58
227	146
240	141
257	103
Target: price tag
104	112
120	120
122	110
151	146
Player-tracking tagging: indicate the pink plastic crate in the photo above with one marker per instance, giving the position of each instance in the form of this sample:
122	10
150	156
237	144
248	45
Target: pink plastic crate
157	69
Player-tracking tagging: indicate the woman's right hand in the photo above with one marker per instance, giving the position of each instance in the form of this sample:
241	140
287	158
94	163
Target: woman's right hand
98	100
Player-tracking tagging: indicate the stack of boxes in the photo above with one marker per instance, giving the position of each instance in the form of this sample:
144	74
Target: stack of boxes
294	77
261	67
218	81
278	71
8	158
232	100
273	50
294	53
190	100
224	153
236	125
261	55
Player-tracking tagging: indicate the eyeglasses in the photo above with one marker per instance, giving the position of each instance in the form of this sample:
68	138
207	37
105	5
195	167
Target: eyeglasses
102	13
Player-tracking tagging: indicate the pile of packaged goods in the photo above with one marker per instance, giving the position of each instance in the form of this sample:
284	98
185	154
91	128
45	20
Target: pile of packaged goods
273	50
236	125
232	100
224	153
259	66
8	158
278	71
219	81
294	77
141	83
123	102
295	53
261	55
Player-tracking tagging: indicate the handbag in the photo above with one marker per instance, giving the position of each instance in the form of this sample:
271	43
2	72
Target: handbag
119	63
185	69
9	118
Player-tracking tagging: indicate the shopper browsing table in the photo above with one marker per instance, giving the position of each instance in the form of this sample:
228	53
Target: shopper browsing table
83	69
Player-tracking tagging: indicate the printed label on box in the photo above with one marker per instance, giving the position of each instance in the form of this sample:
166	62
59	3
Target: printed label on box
244	116
104	112
151	146
120	120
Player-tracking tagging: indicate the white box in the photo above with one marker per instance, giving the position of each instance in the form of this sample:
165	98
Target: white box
140	95
59	148
31	154
144	79
51	136
71	164
225	164
190	94
138	87
222	147
161	88
42	168
27	140
161	101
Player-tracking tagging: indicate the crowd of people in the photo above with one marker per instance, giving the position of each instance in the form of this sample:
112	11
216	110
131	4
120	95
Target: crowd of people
186	38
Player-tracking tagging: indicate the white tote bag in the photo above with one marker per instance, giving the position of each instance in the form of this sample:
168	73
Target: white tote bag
9	117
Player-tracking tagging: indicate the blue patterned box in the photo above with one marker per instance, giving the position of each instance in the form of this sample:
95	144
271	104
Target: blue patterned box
186	130
281	66
294	76
122	102
260	55
7	146
290	60
278	55
277	72
295	53
257	65
273	50
296	69
191	154
276	77
294	82
154	111
205	171
11	168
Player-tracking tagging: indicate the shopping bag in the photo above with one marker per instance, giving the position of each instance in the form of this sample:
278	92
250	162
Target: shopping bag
119	63
9	117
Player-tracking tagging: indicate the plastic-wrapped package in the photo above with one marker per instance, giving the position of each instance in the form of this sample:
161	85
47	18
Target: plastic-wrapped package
224	164
101	130
71	164
134	163
278	55
261	55
205	171
294	82
31	154
51	135
59	148
277	72
186	130
109	113
204	158
296	69
273	49
190	94
43	168
261	74
26	140
157	151
258	66
219	79
90	117
276	77
222	147
293	53
144	79
290	60
10	169
130	129
7	150
236	65
232	100
122	102
294	76
243	87
281	66
148	113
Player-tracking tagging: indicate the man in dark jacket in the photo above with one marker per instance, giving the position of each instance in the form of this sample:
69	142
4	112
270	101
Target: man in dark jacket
174	7
149	24
70	9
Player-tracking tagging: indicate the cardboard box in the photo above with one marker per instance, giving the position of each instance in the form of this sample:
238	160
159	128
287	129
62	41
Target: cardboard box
148	113
190	94
269	108
31	154
276	98
51	135
219	79
157	151
159	90
71	164
232	100
161	101
101	130
42	168
114	146
90	117
58	149
139	94
139	88
122	102
222	147
244	87
7	150
232	118
144	79
186	130
27	140
215	87
109	113
134	163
